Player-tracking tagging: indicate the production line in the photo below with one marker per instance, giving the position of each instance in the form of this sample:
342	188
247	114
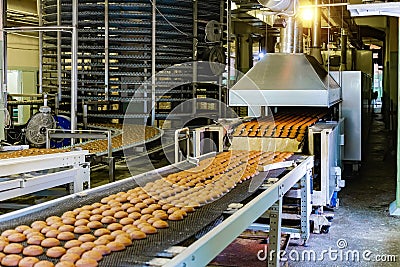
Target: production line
227	129
182	206
28	170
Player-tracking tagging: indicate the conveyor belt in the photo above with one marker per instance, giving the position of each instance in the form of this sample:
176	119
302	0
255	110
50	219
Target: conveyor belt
142	250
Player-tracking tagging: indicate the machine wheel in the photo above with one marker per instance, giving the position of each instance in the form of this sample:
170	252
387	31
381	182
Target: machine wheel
325	229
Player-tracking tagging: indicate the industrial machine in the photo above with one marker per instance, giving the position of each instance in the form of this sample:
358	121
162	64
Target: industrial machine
298	80
21	176
177	244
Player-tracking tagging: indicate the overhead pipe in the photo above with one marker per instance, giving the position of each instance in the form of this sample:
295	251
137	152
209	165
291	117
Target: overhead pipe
287	36
315	50
277	6
292	35
298	36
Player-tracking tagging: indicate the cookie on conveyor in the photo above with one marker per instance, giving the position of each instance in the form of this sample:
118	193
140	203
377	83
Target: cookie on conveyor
28	262
11	260
44	264
33	250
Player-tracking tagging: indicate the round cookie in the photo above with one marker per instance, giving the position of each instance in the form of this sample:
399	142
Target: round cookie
55	252
13	248
70	257
115	246
44	264
33	250
28	262
86	263
72	243
50	242
11	260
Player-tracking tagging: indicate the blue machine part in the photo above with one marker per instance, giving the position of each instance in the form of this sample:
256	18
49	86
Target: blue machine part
334	200
62	122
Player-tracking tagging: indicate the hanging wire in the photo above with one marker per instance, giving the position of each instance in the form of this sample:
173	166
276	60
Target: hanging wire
170	23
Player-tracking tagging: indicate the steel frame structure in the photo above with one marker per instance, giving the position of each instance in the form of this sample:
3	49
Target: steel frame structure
40	29
202	251
120	53
68	168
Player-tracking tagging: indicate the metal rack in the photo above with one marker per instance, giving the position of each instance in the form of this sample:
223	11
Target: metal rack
121	48
34	175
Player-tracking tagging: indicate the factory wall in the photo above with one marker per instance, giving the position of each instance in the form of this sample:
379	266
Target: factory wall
22	52
390	74
22	58
23	49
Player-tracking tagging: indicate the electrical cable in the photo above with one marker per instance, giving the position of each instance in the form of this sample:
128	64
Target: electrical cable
170	23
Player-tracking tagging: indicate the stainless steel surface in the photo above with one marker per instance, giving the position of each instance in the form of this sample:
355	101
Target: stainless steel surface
80	134
287	36
59	66
201	252
276	5
286	80
176	142
352	112
35	163
330	158
40	72
316	33
257	180
275	233
298	36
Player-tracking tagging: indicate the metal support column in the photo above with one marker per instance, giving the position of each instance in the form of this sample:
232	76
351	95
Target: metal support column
305	206
195	43
274	244
228	40
74	68
82	180
153	62
110	158
59	66
40	74
106	51
221	21
395	206
3	70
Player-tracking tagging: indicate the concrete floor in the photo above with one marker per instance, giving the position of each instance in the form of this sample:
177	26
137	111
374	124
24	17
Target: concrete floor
363	220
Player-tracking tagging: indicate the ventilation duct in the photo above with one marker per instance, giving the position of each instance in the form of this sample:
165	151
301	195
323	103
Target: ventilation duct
277	6
315	50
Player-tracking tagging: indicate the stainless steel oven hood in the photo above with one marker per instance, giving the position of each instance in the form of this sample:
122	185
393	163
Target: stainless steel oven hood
286	80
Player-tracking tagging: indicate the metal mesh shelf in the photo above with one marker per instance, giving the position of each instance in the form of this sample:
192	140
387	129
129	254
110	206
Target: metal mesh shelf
122	71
